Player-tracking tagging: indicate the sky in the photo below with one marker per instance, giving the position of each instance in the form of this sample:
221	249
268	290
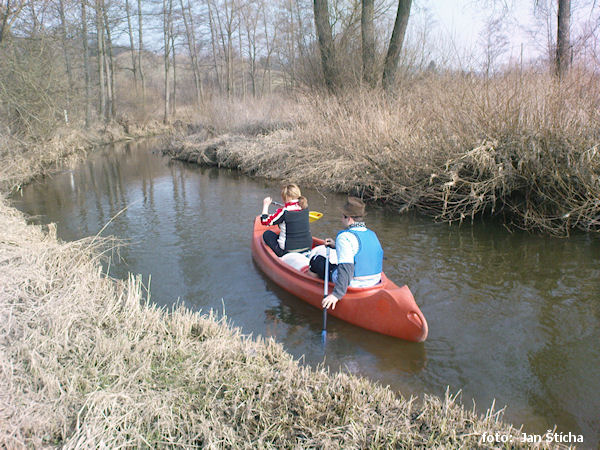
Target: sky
465	23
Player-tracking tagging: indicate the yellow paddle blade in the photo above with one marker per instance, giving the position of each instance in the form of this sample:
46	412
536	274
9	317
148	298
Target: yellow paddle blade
314	215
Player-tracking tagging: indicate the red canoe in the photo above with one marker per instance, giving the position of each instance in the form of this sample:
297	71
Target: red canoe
384	308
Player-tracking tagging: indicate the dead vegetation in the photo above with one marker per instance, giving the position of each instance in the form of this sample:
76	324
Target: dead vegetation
87	361
23	160
521	146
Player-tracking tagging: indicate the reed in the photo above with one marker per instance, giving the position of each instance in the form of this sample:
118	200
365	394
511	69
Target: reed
27	158
88	361
522	146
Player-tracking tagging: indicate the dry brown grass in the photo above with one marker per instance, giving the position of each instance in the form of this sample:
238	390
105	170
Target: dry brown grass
87	361
23	160
520	145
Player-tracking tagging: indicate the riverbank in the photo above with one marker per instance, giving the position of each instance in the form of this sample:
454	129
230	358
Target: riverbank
22	161
87	361
521	147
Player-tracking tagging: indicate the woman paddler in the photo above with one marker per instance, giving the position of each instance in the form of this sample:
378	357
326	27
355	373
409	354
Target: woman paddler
293	220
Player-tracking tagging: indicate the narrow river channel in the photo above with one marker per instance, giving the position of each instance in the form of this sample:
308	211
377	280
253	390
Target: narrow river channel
513	317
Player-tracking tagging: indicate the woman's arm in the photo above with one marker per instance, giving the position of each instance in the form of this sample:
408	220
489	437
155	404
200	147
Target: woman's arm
273	219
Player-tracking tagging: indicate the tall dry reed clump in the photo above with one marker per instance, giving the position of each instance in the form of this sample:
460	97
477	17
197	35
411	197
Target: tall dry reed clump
86	361
522	145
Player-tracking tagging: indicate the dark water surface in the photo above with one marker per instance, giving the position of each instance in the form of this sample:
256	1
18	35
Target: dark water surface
512	317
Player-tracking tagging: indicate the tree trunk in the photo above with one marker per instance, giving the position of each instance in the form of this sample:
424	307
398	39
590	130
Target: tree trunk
100	60
214	46
393	55
196	63
63	29
242	65
325	38
110	66
367	29
252	53
269	47
4	20
228	47
173	58
192	49
167	42
140	53
86	63
226	50
34	17
562	40
131	46
292	46
251	34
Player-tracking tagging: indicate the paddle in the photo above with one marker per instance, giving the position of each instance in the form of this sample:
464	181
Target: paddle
325	292
312	215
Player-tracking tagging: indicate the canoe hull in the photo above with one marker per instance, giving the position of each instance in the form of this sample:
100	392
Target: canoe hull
384	308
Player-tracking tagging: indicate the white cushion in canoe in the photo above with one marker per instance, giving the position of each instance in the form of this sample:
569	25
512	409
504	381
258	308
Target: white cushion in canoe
297	260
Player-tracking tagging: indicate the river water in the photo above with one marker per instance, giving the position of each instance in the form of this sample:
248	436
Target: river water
513	317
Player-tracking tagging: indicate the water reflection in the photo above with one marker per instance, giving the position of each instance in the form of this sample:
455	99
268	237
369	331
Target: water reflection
513	317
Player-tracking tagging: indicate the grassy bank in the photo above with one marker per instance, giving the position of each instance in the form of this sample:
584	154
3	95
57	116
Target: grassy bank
87	361
521	146
23	160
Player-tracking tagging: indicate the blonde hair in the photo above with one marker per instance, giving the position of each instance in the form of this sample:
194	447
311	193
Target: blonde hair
292	191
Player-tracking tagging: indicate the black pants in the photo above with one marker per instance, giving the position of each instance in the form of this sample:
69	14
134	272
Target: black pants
317	265
270	239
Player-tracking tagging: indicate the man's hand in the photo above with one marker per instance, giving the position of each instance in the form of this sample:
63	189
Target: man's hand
330	242
330	300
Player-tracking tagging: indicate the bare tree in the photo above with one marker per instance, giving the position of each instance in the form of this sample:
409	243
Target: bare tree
213	40
131	46
325	39
34	18
368	42
140	54
269	48
174	62
292	44
63	32
241	56
226	30
191	43
167	14
194	46
86	63
109	65
562	39
100	59
393	54
8	14
494	41
250	13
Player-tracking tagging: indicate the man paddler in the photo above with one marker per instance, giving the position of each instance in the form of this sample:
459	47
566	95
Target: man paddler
359	254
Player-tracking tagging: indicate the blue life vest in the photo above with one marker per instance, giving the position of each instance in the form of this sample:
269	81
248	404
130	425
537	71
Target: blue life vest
369	259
